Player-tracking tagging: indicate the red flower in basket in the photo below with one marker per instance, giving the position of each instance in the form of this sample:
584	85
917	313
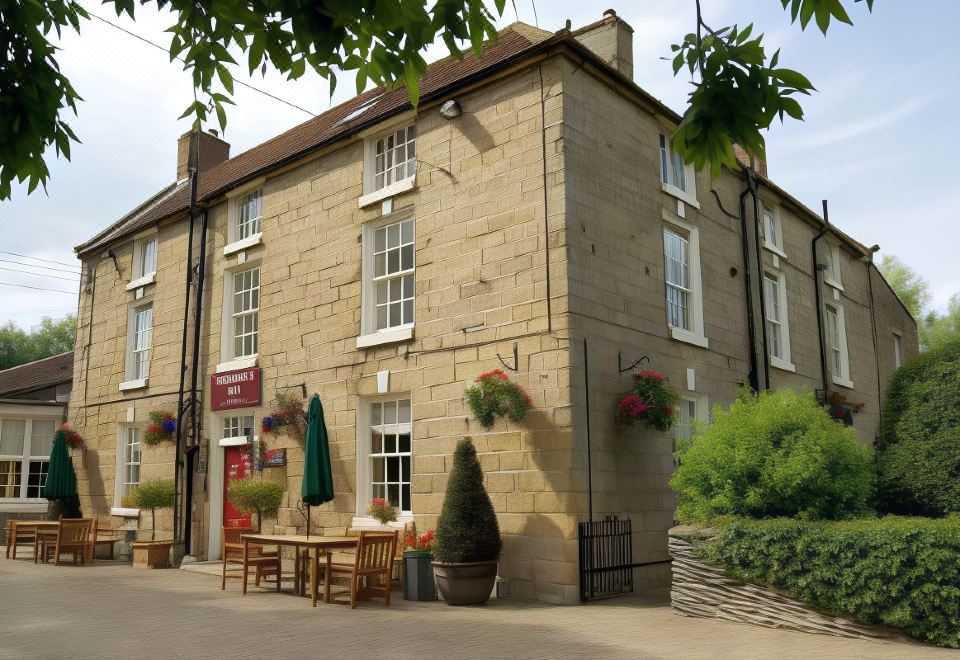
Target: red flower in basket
649	401
71	437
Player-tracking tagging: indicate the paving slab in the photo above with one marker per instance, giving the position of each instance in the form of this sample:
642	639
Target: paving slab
110	610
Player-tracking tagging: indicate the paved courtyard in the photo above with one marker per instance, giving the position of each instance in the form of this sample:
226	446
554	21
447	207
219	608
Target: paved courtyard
110	610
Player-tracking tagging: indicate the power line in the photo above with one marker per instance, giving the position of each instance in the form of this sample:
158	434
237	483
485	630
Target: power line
167	51
53	277
37	288
49	261
58	270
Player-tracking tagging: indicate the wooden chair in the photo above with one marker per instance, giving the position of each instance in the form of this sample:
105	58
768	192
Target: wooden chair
74	535
370	572
266	562
16	536
104	535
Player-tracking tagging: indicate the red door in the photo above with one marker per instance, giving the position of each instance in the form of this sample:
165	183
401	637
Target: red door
237	464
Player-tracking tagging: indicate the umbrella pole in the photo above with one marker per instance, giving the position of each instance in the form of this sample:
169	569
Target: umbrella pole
308	521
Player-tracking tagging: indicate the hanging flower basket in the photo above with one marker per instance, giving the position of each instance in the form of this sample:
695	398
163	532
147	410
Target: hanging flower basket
840	409
649	402
73	439
286	417
162	428
494	395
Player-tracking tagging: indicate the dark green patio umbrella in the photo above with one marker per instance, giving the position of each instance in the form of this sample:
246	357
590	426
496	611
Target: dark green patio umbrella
317	485
61	479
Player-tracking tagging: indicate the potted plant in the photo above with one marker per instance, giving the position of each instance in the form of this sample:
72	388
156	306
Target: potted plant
381	511
256	496
153	495
162	428
287	416
73	439
494	395
418	581
650	402
468	540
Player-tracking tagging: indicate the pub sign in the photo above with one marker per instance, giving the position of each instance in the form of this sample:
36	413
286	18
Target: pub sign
235	389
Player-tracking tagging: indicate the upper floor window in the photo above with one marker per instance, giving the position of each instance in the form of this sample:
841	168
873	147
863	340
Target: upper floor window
25	446
245	312
389	277
837	343
676	177
681	255
772	229
778	328
249	216
832	258
897	350
139	346
395	157
145	252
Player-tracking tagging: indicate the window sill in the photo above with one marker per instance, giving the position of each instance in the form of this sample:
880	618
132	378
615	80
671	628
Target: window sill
843	382
141	281
689	337
835	285
366	522
243	244
770	247
389	191
680	194
782	364
124	512
239	363
135	384
385	337
23	506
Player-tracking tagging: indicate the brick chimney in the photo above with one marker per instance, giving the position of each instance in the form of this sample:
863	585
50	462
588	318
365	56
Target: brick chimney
612	39
213	151
757	164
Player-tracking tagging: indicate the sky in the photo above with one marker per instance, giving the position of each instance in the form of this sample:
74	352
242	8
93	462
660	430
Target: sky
879	140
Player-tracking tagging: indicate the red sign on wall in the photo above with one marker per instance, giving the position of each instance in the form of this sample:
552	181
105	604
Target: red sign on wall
235	389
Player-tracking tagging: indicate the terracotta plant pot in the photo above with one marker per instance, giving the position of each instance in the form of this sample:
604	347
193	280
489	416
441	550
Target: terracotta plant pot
465	583
151	554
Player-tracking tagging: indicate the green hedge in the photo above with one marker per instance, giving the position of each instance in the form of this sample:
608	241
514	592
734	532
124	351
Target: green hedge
771	455
899	572
918	457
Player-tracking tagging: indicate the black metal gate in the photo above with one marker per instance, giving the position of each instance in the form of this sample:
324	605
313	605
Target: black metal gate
606	558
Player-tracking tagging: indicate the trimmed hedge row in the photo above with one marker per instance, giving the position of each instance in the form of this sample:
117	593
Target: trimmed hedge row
899	572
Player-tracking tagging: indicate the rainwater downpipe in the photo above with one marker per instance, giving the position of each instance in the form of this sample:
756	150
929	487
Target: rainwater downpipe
868	260
751	330
817	295
546	218
752	187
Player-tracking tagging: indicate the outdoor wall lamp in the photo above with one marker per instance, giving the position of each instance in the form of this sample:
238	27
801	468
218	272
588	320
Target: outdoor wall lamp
451	109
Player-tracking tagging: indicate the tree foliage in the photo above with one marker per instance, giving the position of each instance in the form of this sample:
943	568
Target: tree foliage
938	329
771	454
910	287
918	456
18	346
254	495
153	495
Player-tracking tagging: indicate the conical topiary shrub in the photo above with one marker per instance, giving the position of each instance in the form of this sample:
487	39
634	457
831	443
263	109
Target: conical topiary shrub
467	530
468	536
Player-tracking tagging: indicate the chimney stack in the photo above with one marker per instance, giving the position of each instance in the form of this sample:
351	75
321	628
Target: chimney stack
611	38
213	151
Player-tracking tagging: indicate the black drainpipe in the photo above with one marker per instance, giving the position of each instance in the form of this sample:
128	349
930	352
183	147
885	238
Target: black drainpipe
183	360
817	296
752	187
586	388
191	451
876	354
751	330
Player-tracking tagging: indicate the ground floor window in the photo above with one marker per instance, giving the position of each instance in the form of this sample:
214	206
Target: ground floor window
238	426
25	446
693	411
388	447
128	462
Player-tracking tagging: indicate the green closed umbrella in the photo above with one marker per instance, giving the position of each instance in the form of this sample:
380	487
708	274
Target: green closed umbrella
61	479
317	485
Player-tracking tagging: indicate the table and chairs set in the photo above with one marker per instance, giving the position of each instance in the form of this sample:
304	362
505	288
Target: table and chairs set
52	539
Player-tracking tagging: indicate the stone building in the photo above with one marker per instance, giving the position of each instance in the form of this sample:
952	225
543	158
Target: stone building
384	256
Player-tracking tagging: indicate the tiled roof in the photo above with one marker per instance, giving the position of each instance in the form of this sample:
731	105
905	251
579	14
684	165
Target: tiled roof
37	375
513	41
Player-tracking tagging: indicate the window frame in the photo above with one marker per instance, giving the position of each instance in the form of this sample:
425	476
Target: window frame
784	360
139	278
833	275
238	199
369	334
121	465
701	415
695	333
364	454
897	350
372	194
22	502
133	379
229	360
668	183
773	211
841	351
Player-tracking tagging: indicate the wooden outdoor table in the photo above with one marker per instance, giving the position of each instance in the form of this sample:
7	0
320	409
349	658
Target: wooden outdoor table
299	542
31	525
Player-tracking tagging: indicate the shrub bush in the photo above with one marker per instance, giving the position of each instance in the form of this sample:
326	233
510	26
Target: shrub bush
918	457
253	495
153	495
773	454
467	530
899	572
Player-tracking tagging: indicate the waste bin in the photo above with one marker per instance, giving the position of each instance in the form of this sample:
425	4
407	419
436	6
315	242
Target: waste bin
418	575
